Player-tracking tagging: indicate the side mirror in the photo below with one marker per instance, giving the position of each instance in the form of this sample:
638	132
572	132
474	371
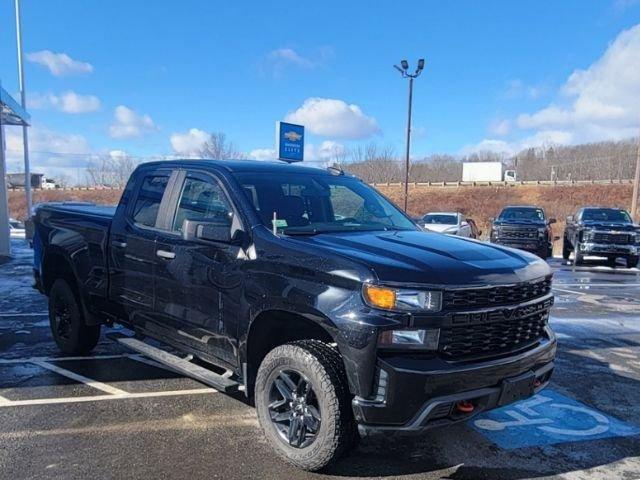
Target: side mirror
492	219
552	220
209	230
570	219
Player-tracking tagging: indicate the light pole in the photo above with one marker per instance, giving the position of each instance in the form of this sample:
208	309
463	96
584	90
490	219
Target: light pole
405	74
23	101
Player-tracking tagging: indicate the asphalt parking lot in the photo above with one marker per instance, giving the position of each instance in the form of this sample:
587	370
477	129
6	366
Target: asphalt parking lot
115	414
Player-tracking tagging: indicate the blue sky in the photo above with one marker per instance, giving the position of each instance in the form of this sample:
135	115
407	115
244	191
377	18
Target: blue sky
500	75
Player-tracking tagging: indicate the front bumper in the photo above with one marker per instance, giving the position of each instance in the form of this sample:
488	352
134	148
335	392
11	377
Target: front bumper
529	245
421	394
589	248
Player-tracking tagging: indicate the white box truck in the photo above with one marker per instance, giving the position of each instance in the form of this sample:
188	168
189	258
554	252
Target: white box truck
486	172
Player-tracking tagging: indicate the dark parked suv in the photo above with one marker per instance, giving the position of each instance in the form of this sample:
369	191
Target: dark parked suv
603	232
524	227
320	299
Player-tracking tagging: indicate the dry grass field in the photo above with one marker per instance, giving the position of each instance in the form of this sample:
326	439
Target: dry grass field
479	203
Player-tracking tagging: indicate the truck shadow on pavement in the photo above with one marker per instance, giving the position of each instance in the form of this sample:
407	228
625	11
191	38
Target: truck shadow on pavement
460	452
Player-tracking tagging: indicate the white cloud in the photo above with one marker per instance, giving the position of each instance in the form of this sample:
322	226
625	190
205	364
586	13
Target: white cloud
189	143
595	104
52	153
280	59
67	102
518	89
128	123
263	154
500	127
59	64
334	118
600	102
328	150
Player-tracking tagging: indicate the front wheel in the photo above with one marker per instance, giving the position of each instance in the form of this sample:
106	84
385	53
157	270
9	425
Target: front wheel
578	258
632	262
566	249
303	404
68	328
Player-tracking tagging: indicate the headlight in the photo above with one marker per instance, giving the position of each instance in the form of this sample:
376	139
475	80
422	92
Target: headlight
586	235
425	339
404	300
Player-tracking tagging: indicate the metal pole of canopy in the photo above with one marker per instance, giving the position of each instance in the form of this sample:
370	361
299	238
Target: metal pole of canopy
5	243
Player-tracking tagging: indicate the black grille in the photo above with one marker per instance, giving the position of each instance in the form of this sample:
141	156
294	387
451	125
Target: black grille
519	233
613	238
495	296
493	338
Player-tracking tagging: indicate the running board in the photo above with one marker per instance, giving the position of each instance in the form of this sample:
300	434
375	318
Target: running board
178	364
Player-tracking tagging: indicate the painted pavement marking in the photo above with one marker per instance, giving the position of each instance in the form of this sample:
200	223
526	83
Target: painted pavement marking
546	419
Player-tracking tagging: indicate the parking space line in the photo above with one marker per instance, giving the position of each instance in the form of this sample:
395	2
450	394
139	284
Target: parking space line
80	378
43	314
99	398
4	402
568	291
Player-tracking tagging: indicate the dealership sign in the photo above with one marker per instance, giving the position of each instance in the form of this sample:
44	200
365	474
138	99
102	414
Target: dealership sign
290	142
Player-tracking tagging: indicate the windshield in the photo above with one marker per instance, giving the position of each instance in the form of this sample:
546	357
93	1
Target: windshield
522	214
606	215
436	218
304	204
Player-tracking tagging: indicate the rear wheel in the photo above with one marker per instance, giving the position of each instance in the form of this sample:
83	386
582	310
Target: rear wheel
303	404
611	261
632	261
68	328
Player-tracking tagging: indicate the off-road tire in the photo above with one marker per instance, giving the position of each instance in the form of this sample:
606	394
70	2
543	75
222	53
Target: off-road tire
78	338
324	368
566	249
632	261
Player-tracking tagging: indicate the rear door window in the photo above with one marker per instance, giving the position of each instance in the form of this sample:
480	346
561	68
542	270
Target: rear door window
147	205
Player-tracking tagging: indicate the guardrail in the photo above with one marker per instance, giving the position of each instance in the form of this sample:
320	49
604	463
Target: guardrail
506	184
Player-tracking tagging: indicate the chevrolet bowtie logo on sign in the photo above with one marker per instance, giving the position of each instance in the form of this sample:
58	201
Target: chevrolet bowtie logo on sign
292	136
290	142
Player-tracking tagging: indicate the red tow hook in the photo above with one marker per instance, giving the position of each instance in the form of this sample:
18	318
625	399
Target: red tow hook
536	383
465	406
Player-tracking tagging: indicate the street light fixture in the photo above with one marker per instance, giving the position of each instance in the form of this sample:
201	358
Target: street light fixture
405	74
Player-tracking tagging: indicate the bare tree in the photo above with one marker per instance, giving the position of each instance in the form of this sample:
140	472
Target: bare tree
110	170
219	148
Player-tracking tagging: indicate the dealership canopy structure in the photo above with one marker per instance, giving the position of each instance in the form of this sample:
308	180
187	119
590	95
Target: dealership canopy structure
11	114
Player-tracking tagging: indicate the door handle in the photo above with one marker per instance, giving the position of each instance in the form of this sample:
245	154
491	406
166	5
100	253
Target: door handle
118	244
165	254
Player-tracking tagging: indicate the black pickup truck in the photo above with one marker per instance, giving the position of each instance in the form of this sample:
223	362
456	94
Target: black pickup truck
603	232
305	288
524	227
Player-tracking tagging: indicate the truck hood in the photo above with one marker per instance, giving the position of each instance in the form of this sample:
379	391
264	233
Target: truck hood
617	226
430	258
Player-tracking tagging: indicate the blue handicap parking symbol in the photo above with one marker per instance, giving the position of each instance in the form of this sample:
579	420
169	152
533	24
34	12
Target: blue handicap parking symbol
548	418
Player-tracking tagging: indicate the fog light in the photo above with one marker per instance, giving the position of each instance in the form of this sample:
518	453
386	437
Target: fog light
424	339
